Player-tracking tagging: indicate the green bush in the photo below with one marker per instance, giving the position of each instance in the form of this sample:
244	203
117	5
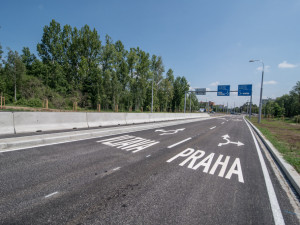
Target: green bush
296	119
22	102
35	102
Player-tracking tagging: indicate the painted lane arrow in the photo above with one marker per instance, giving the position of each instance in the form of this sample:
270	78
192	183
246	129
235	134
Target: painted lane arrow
226	137
167	132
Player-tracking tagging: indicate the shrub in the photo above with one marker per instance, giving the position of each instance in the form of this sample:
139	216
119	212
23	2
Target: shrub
35	102
22	102
296	119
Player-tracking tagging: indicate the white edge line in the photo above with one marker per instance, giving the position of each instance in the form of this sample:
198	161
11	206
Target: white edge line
54	193
277	215
171	146
117	168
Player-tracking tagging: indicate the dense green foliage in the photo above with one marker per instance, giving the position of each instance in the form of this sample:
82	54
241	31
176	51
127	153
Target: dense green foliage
73	65
287	105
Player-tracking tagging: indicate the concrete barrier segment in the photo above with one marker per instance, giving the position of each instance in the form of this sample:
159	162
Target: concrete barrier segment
47	121
134	118
106	119
6	123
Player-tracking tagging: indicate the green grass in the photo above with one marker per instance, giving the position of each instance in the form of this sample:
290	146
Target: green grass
284	135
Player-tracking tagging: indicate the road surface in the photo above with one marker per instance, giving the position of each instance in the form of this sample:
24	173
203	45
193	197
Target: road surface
204	172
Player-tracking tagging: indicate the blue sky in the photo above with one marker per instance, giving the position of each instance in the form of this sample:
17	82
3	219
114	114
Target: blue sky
209	42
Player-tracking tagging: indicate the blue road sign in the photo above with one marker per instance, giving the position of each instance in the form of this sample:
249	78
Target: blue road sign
223	90
245	90
200	91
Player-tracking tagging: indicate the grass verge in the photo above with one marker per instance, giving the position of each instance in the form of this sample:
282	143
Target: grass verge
284	135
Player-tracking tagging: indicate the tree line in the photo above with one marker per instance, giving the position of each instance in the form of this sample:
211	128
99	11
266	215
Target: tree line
73	65
287	105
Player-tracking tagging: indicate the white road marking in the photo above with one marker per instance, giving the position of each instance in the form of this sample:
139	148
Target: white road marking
117	168
222	122
277	215
54	193
148	156
226	137
167	132
129	143
171	146
212	127
207	162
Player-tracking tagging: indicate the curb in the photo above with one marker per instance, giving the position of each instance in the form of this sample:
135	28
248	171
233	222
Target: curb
287	169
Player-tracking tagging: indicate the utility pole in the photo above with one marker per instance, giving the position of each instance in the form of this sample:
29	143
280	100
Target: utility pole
15	81
184	101
190	103
227	107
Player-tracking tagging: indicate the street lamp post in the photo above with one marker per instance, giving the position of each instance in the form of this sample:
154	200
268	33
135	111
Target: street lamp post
261	87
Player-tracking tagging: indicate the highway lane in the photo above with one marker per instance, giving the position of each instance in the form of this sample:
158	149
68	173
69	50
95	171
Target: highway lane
212	176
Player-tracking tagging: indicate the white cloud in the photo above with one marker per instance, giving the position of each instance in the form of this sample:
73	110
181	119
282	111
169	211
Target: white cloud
267	68
270	82
215	83
285	65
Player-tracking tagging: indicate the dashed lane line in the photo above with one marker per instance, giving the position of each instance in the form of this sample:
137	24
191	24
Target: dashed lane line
178	143
213	127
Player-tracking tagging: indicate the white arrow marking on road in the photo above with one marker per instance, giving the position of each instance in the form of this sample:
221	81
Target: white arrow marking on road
167	132
226	137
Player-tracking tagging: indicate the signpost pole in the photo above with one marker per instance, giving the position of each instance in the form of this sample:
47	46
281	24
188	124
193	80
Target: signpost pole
250	106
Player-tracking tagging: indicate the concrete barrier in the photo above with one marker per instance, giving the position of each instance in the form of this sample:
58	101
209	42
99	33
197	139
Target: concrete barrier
157	117
21	122
6	123
46	121
134	118
106	119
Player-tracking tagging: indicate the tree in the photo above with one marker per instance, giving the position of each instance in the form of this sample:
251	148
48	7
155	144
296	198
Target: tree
50	49
180	87
142	75
14	71
157	69
295	99
27	58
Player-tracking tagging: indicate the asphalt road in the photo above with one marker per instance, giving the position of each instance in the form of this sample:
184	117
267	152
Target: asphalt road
204	172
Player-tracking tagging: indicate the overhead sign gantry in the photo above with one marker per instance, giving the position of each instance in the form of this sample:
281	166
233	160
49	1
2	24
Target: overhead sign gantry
224	90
